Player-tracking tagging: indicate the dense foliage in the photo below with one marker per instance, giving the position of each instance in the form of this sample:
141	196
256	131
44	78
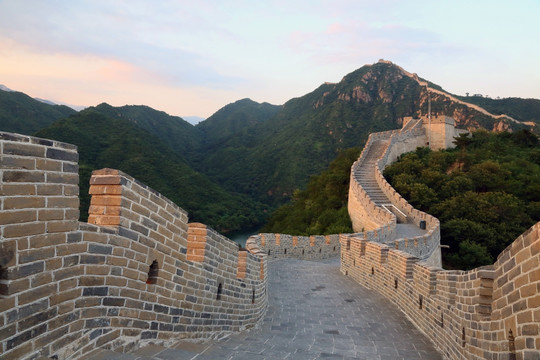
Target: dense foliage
486	192
174	131
322	207
117	143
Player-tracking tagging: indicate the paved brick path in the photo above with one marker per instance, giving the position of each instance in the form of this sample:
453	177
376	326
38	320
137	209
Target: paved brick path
314	313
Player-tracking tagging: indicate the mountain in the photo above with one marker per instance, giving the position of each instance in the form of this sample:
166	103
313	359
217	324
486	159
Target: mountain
236	119
262	151
119	143
269	159
20	113
177	133
5	88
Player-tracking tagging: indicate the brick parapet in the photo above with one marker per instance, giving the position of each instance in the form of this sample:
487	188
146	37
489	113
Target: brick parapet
67	288
473	314
380	225
278	246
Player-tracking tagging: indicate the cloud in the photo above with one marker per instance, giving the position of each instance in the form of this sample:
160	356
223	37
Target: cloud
132	32
349	42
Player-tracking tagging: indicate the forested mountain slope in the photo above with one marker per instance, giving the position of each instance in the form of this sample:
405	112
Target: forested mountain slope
117	143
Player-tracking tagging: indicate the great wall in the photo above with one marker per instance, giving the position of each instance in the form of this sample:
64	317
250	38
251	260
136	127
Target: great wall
138	272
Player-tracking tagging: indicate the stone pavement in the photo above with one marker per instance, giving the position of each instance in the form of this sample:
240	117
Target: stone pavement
314	313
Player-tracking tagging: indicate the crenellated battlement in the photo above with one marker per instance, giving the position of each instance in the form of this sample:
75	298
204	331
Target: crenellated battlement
492	312
281	246
376	208
137	272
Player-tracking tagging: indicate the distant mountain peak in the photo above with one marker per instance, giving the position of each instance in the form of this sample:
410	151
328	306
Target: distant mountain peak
5	88
46	101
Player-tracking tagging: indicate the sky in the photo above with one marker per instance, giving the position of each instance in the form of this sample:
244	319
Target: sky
190	58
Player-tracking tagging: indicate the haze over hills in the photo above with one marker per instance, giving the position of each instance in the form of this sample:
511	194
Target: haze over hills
259	153
193	120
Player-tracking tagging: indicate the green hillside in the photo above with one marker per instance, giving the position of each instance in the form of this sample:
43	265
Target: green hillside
22	114
238	118
321	208
177	133
486	192
117	143
519	109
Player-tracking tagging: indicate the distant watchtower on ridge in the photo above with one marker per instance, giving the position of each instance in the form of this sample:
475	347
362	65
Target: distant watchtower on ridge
439	132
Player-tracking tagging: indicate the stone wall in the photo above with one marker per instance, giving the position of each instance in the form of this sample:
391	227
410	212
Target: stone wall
492	312
378	224
138	272
280	246
364	213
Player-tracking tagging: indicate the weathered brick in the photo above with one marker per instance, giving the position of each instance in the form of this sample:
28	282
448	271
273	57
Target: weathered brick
8	249
61	226
10	176
25	336
70	190
37	318
99	249
99	322
36	294
109	301
62	178
104	210
17	189
69	272
26	270
92	259
24	149
43	341
105	190
49	189
59	154
8	331
63	202
104	220
48	165
96	291
22	202
35	255
50	214
105	180
27	229
14	162
47	240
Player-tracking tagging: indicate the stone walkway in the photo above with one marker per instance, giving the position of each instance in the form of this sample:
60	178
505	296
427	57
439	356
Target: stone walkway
314	313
